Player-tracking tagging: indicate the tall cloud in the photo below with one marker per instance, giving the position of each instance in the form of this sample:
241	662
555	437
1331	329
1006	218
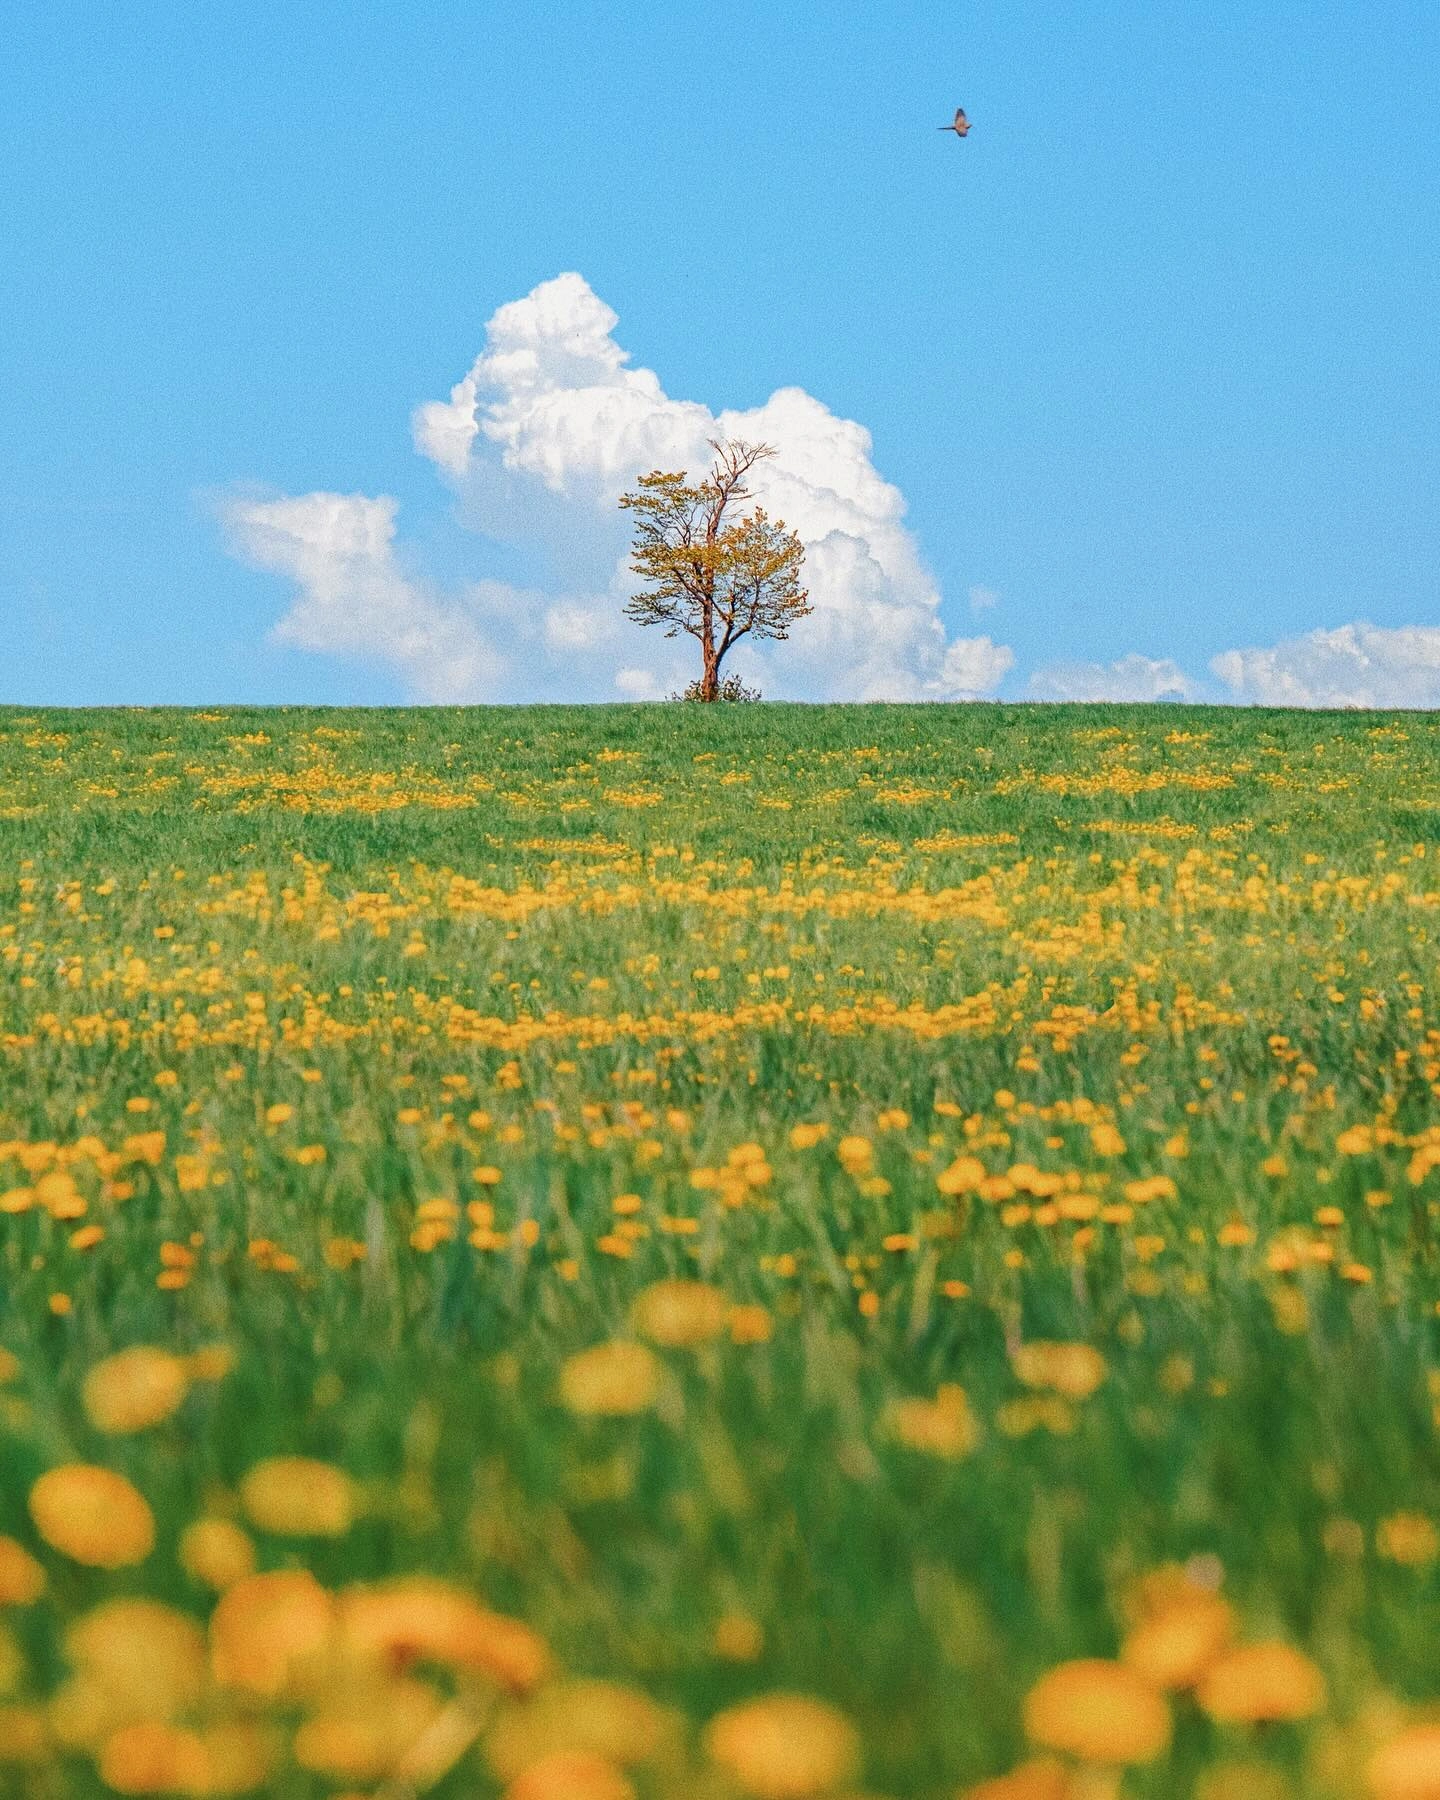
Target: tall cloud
537	442
1353	665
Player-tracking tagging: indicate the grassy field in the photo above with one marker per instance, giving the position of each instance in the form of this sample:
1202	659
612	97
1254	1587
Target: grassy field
720	1254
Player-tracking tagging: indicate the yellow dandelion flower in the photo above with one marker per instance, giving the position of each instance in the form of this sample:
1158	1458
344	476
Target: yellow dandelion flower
600	1718
1072	1370
783	1746
1098	1711
298	1496
361	1731
1261	1683
965	1175
147	1659
134	1390
738	1638
217	1552
211	1362
419	1618
93	1516
267	1627
1173	1648
678	1315
944	1427
24	1735
1408	1767
1408	1538
154	1758
1044	1778
570	1775
856	1155
610	1380
750	1325
22	1580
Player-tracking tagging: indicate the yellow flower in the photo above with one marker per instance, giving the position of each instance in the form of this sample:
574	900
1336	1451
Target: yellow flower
362	1731
134	1389
147	1659
1105	1140
216	1552
783	1746
22	1580
598	1718
151	1757
1408	1538
267	1628
154	1758
1408	1767
750	1325
856	1154
1173	1648
1098	1711
1074	1370
944	1426
570	1775
421	1618
680	1314
1260	1683
211	1362
964	1176
738	1638
610	1380
296	1496
24	1735
1044	1778
93	1516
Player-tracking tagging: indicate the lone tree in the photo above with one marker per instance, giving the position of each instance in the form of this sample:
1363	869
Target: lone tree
710	569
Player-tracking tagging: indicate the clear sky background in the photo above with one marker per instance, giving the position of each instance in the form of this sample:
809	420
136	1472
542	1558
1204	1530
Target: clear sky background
1151	357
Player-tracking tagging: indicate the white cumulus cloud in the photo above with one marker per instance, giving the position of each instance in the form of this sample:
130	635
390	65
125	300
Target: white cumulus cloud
538	441
1132	677
354	599
1354	665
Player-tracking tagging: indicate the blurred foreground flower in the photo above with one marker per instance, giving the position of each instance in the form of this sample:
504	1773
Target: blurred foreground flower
1101	1712
784	1746
570	1775
610	1380
93	1516
1408	1767
296	1496
678	1315
1262	1684
134	1389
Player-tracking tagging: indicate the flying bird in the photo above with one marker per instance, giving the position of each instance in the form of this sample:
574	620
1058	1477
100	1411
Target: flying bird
961	127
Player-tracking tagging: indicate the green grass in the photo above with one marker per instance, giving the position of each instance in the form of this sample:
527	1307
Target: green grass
1110	943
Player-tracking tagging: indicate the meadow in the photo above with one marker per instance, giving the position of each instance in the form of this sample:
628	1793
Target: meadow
737	1253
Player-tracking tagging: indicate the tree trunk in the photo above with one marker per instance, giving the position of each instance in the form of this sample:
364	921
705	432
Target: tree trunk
710	674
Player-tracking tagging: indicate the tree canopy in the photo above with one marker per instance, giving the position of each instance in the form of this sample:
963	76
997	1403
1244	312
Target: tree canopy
710	569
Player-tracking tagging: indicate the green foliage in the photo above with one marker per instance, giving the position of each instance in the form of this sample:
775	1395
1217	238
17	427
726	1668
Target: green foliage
731	687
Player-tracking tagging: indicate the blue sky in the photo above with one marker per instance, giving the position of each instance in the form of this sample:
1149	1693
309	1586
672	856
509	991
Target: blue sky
1151	356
